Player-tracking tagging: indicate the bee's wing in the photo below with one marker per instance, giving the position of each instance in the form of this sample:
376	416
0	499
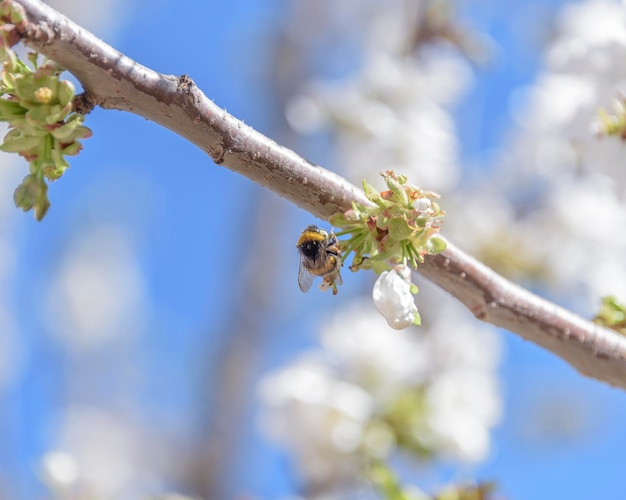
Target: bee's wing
338	278
305	278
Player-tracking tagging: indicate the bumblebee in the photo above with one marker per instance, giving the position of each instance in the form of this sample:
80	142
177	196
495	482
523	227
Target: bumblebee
319	256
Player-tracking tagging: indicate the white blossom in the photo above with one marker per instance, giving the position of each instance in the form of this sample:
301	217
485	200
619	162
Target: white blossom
555	210
393	298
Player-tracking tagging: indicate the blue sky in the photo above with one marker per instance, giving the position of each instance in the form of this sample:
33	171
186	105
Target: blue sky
190	225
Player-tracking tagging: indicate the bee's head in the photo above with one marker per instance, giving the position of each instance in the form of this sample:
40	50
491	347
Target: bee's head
311	240
310	248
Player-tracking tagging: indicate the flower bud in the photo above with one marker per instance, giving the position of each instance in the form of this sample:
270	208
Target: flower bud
393	298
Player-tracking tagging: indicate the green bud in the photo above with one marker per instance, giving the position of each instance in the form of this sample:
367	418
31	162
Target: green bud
435	245
29	191
397	189
32	193
23	198
17	14
12	12
41	207
373	195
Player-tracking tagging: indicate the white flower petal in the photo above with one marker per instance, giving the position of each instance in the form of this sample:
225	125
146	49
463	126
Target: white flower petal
393	298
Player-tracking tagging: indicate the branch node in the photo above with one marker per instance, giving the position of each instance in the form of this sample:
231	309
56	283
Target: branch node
84	103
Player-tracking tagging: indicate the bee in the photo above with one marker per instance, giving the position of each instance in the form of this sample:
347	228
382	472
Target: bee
319	256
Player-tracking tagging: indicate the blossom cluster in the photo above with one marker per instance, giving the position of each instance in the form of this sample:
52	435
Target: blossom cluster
396	231
37	106
373	392
558	183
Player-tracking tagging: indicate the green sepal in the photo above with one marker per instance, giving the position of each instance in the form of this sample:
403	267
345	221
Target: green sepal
378	266
417	320
72	130
15	142
8	78
337	220
65	92
73	149
399	229
372	194
10	110
45	114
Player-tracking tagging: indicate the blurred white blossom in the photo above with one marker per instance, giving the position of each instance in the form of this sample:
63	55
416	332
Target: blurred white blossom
59	471
96	454
98	293
585	69
393	112
318	417
556	205
454	362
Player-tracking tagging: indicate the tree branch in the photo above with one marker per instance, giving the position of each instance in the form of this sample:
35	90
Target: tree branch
114	81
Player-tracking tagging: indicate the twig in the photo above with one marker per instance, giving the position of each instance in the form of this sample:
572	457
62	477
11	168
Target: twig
114	81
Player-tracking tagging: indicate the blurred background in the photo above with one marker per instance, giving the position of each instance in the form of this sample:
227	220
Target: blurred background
153	339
